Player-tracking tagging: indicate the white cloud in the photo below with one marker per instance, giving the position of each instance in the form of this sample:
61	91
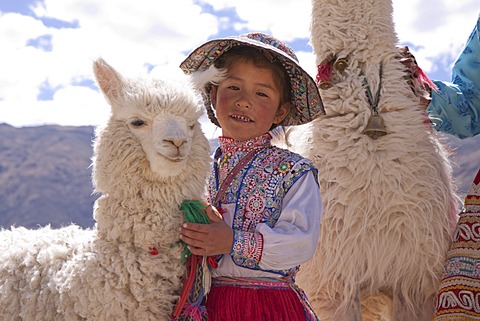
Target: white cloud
132	35
436	27
287	19
127	34
74	105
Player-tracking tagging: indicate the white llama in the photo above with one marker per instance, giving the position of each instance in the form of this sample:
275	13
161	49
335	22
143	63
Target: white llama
389	204
149	158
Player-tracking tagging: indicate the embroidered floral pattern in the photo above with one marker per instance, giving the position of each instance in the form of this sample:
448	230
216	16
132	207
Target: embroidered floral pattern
257	190
248	246
459	295
455	106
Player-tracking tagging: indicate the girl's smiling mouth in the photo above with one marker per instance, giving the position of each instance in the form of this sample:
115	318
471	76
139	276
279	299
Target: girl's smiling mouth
242	118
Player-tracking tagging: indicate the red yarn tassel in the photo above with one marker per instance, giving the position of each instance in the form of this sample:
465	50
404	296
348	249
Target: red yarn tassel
187	285
194	312
189	307
212	261
423	78
324	72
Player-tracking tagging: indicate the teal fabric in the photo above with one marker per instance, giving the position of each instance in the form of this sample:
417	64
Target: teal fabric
455	106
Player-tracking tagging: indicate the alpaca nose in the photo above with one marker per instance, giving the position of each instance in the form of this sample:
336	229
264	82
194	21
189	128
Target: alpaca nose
176	141
171	133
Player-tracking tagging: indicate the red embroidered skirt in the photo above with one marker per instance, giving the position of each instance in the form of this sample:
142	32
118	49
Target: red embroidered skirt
256	300
458	298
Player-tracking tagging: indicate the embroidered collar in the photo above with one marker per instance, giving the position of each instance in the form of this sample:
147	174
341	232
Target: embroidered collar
231	151
230	145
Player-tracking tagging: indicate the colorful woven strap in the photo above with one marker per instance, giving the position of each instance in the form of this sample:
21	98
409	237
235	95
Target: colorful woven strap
231	175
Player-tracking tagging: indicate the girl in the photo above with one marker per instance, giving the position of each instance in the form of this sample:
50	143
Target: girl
269	197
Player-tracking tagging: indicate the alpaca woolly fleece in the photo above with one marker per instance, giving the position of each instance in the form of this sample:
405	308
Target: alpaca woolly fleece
389	203
148	158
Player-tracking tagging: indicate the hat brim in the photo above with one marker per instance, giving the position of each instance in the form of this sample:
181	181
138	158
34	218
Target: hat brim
306	102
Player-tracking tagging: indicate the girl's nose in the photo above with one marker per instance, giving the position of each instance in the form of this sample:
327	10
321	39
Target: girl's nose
243	102
242	105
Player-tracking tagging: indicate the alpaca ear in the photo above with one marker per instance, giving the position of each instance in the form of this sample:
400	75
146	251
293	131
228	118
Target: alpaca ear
108	79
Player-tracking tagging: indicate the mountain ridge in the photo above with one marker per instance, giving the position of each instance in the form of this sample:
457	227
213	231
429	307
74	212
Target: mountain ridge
45	174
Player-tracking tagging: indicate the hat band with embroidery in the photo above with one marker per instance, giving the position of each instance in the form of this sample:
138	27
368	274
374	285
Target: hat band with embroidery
306	102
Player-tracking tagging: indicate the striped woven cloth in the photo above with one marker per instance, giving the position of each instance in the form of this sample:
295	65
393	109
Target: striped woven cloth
458	298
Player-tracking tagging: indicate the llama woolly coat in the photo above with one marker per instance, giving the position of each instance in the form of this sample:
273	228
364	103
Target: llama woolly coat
389	201
148	159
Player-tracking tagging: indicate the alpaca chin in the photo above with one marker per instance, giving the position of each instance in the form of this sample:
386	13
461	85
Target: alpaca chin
168	168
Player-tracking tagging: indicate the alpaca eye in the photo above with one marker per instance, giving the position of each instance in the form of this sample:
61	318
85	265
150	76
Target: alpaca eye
137	123
192	126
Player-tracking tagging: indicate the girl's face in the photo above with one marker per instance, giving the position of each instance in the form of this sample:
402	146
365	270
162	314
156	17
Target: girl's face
247	101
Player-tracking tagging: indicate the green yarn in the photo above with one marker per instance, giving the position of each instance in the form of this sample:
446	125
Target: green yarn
193	212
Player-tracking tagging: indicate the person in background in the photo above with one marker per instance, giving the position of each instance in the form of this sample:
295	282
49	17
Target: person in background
453	107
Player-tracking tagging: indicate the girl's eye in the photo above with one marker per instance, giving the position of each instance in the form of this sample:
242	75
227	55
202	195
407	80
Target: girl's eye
262	94
233	87
137	122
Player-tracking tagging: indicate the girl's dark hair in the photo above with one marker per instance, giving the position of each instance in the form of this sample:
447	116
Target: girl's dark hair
262	59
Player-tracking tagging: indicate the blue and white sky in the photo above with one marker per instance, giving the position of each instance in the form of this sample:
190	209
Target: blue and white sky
47	46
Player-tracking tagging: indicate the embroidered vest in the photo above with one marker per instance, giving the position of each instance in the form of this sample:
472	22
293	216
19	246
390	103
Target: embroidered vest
258	190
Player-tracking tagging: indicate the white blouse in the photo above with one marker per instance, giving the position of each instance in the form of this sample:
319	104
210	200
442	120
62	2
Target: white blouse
293	239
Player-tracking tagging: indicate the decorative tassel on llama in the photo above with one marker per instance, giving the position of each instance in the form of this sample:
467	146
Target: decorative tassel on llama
197	280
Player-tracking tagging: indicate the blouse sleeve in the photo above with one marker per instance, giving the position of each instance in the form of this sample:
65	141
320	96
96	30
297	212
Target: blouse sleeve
293	239
455	106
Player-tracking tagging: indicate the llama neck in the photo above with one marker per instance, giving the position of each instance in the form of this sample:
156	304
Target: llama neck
347	26
145	215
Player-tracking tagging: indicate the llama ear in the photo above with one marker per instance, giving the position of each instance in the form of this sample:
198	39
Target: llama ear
108	79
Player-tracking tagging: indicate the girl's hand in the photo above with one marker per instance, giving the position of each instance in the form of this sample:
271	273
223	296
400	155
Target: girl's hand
208	239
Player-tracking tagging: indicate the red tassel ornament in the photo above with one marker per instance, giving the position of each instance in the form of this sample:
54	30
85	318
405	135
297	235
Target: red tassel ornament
324	72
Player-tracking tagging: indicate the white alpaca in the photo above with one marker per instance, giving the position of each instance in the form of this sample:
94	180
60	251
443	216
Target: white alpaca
148	159
389	204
